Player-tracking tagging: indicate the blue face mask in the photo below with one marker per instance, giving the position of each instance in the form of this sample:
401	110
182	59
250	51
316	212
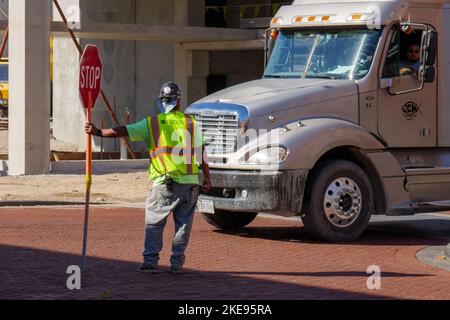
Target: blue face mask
167	105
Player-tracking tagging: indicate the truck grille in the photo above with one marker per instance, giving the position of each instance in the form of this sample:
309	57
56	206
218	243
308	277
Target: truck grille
220	132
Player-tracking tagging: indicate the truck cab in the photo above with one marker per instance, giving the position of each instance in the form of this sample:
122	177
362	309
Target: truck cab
350	120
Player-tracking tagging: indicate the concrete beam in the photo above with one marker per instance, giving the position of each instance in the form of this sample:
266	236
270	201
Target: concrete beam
135	32
29	83
193	38
224	45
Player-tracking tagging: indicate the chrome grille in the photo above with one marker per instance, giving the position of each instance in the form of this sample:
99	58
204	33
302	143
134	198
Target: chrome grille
220	132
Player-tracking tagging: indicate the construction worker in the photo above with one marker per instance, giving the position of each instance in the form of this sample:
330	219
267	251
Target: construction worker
176	146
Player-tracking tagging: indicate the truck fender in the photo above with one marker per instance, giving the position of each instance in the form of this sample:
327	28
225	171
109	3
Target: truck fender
307	141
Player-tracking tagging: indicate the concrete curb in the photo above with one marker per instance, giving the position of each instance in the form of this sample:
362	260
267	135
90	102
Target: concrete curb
434	256
32	204
99	166
447	251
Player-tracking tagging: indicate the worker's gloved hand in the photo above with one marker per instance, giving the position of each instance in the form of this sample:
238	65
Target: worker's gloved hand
92	129
206	186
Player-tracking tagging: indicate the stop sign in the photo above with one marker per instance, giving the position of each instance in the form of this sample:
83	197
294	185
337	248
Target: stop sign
90	75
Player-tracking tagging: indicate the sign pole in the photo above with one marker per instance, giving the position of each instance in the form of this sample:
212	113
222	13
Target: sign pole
90	84
88	183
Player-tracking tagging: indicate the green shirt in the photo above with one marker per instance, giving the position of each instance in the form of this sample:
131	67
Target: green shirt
139	132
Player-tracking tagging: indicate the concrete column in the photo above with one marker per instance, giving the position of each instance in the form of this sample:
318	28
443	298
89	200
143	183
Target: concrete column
182	58
183	71
154	60
118	59
191	68
199	75
29	82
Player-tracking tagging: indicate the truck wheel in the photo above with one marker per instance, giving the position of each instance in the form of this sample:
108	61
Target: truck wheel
229	220
340	204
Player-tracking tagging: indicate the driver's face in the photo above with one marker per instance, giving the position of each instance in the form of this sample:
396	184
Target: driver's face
413	53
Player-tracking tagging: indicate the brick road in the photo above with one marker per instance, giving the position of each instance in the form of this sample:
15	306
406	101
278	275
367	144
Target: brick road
272	259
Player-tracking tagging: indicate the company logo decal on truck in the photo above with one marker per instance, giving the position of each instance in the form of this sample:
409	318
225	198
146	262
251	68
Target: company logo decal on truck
410	110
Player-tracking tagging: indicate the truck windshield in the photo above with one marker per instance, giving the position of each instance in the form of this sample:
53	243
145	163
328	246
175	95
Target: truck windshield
3	73
329	54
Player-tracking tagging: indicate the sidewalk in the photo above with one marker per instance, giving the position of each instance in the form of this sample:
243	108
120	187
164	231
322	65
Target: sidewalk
273	259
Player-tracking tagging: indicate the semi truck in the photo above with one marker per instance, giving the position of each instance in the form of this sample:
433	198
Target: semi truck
361	127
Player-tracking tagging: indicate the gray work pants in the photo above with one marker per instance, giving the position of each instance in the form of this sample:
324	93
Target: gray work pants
181	200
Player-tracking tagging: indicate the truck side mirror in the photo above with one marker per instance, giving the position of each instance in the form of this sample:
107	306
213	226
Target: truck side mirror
431	53
429	74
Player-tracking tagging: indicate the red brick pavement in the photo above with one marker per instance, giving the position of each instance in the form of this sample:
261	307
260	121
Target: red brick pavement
272	259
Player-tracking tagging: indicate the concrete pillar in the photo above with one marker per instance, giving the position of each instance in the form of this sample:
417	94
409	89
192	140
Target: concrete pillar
191	68
154	60
29	82
182	58
118	59
200	71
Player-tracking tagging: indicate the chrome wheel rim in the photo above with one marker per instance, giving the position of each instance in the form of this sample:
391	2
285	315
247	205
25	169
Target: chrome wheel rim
343	202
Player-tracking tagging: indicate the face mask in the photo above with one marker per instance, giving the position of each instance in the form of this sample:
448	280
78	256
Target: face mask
167	105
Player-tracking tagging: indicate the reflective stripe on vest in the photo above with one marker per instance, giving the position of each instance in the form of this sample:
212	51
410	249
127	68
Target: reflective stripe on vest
156	136
190	154
175	151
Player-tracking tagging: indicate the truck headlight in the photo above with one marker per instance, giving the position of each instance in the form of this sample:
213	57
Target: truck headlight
269	156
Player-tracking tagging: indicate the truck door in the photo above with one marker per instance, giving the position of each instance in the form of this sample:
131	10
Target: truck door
407	108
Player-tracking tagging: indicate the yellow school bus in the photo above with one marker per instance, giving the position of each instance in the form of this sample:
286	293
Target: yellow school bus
4	80
4	86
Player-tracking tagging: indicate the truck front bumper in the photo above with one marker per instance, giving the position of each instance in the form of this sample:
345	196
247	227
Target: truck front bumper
279	193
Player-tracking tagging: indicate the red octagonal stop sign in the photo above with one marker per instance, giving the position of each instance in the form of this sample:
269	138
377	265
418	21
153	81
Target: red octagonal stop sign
90	75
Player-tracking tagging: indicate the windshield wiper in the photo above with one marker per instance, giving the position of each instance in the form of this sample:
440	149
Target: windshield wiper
272	76
320	76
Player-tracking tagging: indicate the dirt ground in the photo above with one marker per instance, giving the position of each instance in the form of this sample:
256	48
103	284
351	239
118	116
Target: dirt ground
115	189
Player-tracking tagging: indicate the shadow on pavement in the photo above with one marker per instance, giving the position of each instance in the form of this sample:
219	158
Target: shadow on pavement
429	232
36	274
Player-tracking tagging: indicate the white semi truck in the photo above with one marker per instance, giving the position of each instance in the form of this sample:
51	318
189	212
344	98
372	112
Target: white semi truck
361	126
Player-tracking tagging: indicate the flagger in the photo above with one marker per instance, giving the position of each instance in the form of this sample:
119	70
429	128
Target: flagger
177	150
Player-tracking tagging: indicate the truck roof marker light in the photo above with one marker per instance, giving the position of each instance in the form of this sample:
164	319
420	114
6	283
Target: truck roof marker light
306	19
361	17
277	20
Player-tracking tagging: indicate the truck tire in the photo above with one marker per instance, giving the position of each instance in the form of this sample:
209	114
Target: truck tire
340	202
229	220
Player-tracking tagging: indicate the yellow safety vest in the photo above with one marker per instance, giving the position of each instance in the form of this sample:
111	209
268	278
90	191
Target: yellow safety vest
172	144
